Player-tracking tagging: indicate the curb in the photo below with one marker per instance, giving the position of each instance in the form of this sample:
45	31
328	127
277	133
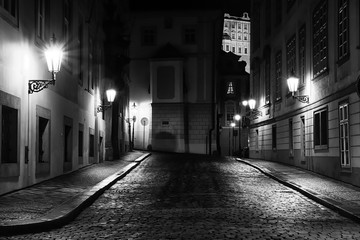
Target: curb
319	198
70	209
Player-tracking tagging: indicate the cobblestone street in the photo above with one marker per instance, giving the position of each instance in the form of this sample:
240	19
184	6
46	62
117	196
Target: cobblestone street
198	197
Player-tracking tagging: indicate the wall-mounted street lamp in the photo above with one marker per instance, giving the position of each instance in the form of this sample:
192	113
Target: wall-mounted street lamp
251	103
110	95
53	55
293	84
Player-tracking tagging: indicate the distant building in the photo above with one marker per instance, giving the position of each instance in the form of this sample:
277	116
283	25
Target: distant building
172	77
317	42
234	87
236	37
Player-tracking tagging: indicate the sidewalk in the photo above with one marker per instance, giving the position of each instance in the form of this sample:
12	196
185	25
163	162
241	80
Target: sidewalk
341	197
55	202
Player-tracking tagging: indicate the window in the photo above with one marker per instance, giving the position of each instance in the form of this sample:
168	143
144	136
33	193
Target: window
9	135
42	19
239	49
43	144
168	23
91	145
9	10
232	24
239	36
302	57
289	4
278	74
320	39
268	18
274	137
189	35
68	140
148	36
267	76
291	137
233	36
257	139
229	112
230	88
67	24
245	50
291	56
227	48
321	129
233	49
344	134
245	37
278	17
343	30
303	135
245	27
91	65
81	51
81	142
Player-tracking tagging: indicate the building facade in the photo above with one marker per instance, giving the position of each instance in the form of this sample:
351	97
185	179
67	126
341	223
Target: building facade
57	130
236	37
316	41
172	78
233	88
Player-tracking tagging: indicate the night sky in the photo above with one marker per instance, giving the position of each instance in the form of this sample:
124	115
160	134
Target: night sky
234	7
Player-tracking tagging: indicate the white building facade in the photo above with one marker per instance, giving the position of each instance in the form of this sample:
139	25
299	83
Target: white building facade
236	37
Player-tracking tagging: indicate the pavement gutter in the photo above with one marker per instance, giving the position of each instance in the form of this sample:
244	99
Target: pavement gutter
319	198
69	210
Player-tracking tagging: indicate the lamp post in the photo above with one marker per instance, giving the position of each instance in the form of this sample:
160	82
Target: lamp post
293	84
53	55
133	119
237	118
232	125
110	95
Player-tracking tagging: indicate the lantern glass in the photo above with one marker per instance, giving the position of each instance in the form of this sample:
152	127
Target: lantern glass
110	95
252	103
293	84
232	124
53	58
245	103
237	117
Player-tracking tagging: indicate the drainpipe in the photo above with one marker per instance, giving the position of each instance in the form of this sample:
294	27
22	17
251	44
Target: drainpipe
213	82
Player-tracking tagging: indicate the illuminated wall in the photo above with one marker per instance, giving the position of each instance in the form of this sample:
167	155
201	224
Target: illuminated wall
49	123
322	135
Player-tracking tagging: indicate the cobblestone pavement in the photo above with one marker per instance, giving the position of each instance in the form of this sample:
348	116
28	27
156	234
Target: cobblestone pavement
197	197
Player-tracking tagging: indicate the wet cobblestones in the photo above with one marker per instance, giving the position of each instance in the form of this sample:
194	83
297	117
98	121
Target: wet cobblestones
169	197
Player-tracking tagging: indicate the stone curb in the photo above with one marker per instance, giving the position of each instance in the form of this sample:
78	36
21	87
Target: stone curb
319	198
70	209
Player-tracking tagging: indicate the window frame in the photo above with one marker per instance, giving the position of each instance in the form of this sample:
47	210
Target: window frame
11	18
302	54
344	127
343	43
278	75
320	39
148	36
189	35
318	129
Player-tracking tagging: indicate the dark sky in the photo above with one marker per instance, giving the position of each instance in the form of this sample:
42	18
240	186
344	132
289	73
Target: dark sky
237	7
234	7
